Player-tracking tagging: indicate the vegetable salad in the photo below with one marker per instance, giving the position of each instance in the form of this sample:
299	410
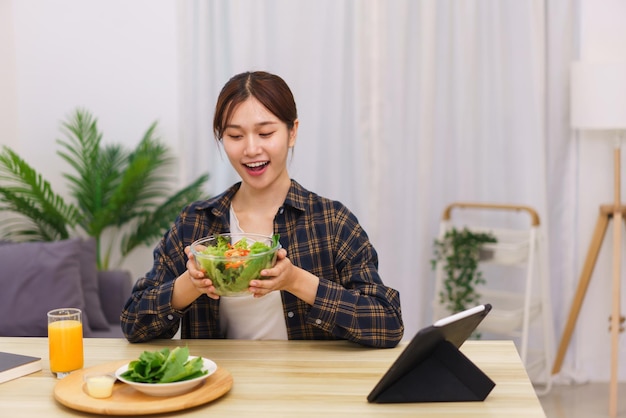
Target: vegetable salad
231	266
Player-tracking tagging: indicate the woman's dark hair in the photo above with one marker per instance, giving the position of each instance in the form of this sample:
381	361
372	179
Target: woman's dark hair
269	89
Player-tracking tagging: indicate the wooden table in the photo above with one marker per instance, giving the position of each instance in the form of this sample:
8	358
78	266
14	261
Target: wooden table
286	378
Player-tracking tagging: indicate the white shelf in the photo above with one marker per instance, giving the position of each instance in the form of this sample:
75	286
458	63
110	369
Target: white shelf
508	311
524	306
511	248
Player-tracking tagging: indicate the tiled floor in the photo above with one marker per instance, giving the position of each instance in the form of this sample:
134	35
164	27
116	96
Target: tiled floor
589	400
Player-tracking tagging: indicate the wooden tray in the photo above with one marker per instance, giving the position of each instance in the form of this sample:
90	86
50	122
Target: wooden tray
71	392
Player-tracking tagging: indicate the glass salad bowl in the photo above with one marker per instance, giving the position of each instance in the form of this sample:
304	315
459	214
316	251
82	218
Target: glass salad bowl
231	261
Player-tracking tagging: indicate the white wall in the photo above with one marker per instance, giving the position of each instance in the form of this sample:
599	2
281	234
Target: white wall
118	59
8	88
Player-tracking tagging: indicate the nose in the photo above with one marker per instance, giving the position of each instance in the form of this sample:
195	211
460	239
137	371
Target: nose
252	145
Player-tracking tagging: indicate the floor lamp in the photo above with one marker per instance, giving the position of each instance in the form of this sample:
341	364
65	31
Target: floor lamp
598	102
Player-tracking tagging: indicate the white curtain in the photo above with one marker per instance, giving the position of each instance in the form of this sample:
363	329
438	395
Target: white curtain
404	106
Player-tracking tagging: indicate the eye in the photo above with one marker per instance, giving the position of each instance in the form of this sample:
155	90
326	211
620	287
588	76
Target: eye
233	137
266	134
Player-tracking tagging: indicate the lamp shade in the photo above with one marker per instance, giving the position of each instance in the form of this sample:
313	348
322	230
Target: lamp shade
598	95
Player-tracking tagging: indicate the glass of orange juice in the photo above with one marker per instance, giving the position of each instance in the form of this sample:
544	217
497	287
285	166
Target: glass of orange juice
65	340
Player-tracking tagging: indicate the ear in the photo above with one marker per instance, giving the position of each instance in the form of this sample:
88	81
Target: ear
293	133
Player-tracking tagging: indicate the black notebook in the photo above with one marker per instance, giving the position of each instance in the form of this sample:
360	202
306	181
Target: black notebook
13	366
432	369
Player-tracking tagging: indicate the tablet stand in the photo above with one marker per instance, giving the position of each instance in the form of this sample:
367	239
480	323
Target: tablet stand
446	375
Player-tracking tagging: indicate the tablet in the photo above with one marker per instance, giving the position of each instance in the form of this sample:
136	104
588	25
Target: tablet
455	329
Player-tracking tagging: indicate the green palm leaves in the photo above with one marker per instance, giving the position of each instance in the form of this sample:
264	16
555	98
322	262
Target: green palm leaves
45	216
123	195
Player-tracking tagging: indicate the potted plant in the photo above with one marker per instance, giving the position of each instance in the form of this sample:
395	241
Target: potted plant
124	197
459	251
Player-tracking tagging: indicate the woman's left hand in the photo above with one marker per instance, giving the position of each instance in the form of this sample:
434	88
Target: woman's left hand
286	276
274	278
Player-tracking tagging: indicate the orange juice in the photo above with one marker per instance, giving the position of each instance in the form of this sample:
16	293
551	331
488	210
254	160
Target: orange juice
65	339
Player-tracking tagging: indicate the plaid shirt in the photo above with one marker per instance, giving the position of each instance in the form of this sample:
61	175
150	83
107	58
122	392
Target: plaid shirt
320	235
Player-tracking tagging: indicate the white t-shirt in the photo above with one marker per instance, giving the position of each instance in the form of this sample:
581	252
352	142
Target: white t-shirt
249	318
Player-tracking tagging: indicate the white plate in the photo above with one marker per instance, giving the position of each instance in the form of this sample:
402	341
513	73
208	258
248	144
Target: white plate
169	389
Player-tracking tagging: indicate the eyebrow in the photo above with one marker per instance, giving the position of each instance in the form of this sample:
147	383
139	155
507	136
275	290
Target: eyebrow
232	125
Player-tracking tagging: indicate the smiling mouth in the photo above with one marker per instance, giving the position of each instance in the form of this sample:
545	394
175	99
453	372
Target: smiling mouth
258	166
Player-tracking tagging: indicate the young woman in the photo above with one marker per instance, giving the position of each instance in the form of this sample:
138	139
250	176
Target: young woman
325	284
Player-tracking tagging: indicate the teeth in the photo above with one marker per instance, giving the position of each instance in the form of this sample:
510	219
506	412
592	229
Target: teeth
253	165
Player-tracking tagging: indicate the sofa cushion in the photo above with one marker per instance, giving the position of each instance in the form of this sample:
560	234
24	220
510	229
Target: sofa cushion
115	289
35	278
89	280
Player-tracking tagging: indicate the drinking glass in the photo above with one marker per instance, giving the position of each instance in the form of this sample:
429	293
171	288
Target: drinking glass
65	340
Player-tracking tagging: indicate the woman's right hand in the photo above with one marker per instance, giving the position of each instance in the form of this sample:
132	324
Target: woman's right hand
198	277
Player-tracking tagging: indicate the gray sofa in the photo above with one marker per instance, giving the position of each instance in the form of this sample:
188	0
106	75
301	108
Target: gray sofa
36	277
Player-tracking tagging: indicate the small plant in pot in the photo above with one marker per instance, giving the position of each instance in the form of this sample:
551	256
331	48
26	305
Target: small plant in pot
122	198
459	252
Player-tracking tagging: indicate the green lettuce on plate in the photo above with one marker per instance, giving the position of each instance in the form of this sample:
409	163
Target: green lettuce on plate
164	366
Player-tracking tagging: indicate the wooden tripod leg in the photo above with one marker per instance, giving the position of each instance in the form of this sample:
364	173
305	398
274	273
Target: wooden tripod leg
583	284
616	313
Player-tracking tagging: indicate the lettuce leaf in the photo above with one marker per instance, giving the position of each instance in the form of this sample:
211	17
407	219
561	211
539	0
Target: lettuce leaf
164	366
